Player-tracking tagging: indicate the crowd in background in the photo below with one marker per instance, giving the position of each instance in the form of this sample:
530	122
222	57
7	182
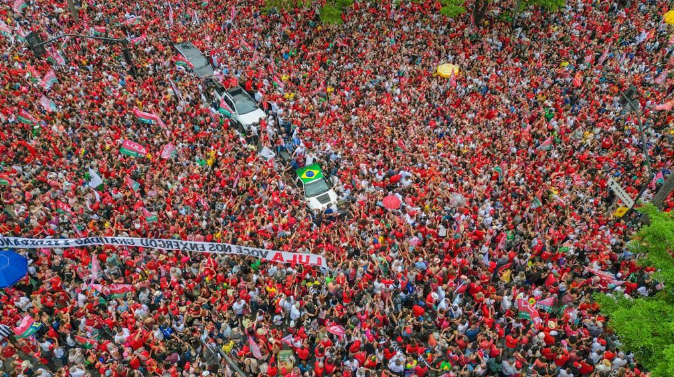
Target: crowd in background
488	268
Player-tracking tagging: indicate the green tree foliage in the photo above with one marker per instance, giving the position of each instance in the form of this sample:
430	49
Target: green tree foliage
452	8
331	12
552	5
645	325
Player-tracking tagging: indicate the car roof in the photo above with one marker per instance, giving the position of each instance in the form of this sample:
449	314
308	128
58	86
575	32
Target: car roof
187	49
238	94
202	68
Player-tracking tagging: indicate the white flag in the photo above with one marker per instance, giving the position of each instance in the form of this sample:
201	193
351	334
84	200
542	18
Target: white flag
95	179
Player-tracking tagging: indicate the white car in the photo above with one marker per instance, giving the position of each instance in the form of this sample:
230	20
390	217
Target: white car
317	191
236	104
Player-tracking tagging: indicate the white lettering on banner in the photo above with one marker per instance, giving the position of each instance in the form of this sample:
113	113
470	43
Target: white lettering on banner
196	246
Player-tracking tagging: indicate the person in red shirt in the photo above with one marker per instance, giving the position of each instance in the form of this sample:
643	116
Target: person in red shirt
302	353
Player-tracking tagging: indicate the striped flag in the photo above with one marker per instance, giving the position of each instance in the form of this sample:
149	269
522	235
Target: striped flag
147	118
63	208
6	30
132	149
132	21
168	151
19	6
49	80
526	311
113	290
26	118
6	181
149	217
546	305
224	109
48	104
138	40
98	31
659	178
246	46
254	348
182	62
546	145
278	83
133	185
86	342
56	57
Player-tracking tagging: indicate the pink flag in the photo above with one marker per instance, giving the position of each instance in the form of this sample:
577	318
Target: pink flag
547	144
604	55
24	325
47	104
95	268
452	80
254	348
49	80
232	13
658	178
168	151
337	330
288	339
63	208
665	106
526	311
661	78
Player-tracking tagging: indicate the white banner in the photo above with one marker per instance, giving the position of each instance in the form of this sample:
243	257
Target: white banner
195	246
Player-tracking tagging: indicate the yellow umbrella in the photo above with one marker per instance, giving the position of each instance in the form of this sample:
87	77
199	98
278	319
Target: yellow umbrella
669	17
445	70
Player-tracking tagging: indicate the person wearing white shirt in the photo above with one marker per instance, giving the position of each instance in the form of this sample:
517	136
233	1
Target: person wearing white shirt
238	307
122	335
396	365
295	312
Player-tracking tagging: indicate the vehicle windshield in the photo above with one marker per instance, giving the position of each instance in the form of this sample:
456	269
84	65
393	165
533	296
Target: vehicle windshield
244	105
316	188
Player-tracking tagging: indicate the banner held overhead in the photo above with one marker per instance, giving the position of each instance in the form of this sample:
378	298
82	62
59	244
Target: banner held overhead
195	246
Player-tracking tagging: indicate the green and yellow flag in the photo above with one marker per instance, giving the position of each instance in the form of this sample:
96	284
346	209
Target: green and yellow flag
310	173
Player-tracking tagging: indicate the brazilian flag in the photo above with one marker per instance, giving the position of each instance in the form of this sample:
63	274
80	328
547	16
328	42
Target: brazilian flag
310	173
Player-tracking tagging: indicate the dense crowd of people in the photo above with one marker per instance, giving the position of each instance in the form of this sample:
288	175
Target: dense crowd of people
506	227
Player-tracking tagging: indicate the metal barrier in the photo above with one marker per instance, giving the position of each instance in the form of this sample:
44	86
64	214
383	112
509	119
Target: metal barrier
226	357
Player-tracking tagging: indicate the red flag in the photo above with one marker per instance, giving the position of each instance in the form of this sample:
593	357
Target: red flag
526	311
578	80
63	208
337	330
